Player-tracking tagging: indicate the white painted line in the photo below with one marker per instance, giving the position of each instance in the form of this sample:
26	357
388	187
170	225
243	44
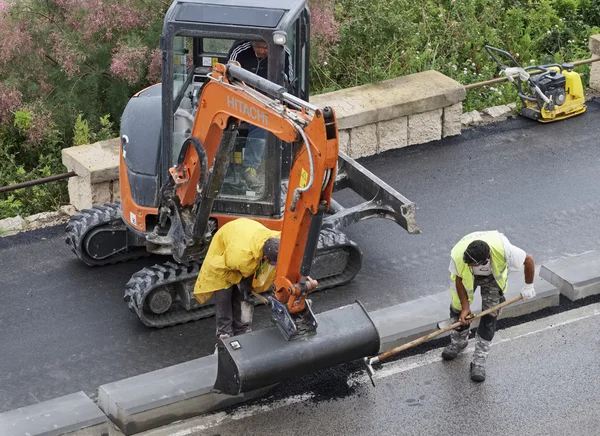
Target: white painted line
213	420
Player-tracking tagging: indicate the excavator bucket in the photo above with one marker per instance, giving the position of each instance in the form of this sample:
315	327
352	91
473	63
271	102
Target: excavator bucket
262	358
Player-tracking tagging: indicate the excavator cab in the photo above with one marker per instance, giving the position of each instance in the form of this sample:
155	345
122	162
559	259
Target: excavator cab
197	35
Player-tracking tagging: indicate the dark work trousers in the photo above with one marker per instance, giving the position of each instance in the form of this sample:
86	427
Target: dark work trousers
491	295
233	314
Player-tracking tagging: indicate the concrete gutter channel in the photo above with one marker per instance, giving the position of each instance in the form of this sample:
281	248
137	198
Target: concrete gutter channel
183	391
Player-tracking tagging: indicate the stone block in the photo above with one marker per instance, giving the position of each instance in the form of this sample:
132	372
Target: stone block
363	141
41	219
116	190
595	74
97	162
471	119
390	99
84	195
595	44
167	395
497	111
392	134
344	141
575	277
425	127
451	123
68	210
13	224
75	415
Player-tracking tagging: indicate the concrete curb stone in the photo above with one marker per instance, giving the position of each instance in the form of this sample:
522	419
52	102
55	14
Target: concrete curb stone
74	414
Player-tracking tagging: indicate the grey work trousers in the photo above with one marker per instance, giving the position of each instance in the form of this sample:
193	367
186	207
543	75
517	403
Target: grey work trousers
233	314
491	295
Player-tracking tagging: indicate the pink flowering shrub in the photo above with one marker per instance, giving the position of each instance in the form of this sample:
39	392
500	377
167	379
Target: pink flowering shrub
324	29
128	62
10	100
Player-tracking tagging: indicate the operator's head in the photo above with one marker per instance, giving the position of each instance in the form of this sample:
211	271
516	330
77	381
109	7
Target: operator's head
260	49
271	250
477	253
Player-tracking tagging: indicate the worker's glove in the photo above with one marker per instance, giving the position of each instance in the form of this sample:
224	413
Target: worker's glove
528	292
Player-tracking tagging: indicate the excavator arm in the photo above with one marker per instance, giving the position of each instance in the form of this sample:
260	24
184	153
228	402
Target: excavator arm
233	95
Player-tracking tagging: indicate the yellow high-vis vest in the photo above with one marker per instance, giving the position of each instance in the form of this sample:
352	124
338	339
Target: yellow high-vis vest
499	264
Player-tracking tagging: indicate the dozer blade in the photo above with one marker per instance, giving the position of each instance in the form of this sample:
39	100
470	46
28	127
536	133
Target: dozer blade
382	201
263	358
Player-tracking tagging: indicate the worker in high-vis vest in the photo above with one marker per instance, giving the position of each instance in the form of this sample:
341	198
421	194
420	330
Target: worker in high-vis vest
241	258
482	259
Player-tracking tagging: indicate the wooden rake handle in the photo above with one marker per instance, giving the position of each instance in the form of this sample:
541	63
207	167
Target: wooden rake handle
422	339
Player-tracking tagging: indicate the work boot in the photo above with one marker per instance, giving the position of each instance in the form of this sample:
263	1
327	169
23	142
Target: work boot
221	336
458	342
482	349
251	178
477	373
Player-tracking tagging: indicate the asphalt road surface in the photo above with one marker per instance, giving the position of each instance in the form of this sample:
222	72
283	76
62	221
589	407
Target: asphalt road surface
542	380
65	328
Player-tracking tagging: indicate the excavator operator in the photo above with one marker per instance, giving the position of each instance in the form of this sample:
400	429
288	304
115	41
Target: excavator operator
253	56
241	258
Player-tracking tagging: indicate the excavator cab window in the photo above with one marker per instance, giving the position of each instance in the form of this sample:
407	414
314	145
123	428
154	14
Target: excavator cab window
200	35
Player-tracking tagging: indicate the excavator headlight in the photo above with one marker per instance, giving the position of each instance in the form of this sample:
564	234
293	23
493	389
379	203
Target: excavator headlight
279	37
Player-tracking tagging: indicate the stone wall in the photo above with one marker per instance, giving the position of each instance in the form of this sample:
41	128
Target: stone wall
97	169
395	113
595	69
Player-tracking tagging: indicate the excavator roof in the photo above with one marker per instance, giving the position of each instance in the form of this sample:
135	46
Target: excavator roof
252	13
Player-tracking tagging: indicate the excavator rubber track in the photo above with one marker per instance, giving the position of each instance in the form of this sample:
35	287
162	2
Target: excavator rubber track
337	261
88	223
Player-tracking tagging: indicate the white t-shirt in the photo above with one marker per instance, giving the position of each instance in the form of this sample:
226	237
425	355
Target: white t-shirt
515	257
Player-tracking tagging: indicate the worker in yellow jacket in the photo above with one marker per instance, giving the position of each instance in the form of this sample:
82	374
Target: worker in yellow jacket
241	258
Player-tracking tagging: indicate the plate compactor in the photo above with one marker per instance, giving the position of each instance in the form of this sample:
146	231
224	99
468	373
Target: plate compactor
554	94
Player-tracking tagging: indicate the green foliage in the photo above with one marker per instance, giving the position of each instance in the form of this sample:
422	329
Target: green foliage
81	131
382	39
22	120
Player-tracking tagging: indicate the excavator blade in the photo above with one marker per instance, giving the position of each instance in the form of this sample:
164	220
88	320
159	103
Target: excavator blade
263	358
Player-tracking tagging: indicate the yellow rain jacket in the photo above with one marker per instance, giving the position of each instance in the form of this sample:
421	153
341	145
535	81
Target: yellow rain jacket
235	252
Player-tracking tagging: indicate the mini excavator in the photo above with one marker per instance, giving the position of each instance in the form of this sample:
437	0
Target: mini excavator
182	144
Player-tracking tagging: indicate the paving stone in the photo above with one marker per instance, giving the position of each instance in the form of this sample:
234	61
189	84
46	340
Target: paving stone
469	119
43	218
12	224
451	123
68	210
575	277
425	127
75	415
392	134
344	140
363	141
497	111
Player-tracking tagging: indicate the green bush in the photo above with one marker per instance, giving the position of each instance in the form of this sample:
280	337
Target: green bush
382	39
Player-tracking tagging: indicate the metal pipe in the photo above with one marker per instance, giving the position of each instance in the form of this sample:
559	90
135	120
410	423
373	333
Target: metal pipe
37	182
503	79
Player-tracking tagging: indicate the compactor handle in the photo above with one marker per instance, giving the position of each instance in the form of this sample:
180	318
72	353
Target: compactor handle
255	81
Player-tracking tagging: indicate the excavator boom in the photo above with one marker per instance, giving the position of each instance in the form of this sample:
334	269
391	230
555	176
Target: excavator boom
226	100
